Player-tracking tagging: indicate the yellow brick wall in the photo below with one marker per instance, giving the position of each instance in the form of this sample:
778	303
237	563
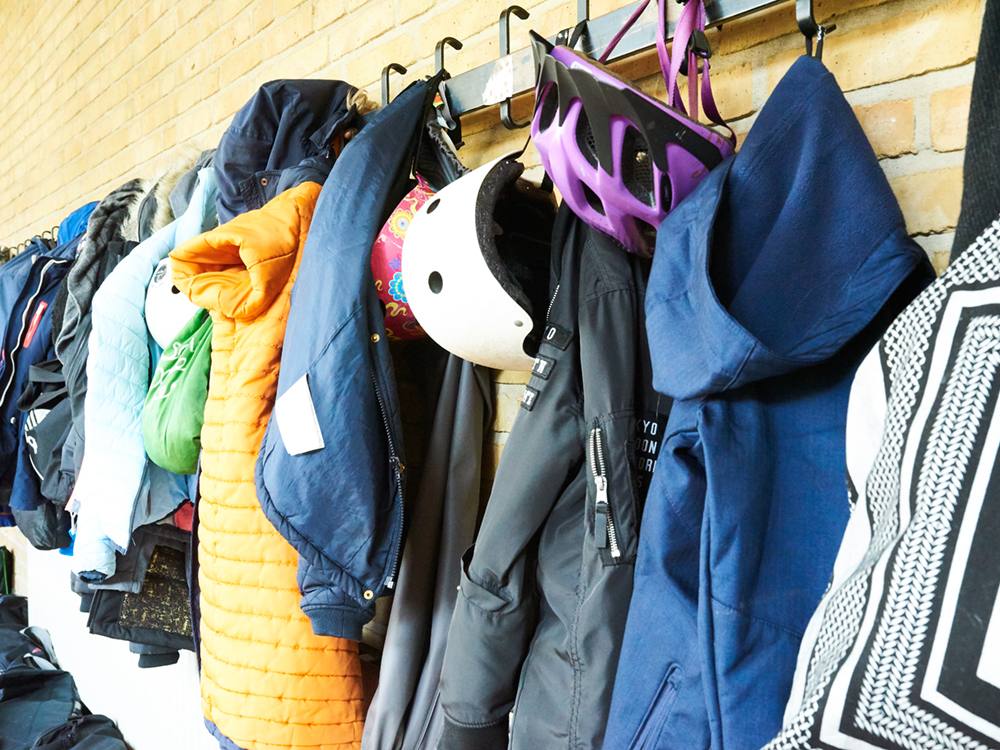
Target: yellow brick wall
98	91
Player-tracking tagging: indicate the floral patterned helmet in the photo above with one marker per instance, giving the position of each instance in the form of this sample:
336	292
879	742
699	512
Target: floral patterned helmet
387	256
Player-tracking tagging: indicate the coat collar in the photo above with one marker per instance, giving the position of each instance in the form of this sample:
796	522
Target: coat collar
240	268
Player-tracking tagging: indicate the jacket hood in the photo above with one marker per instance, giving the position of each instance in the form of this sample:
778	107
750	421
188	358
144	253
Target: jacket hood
113	222
117	216
181	194
156	209
782	254
239	269
75	223
283	124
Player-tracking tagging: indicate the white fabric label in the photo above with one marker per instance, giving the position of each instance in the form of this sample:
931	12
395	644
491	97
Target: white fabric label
297	420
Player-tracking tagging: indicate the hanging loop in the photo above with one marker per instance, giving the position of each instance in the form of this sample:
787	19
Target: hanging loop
439	52
810	28
391	67
505	115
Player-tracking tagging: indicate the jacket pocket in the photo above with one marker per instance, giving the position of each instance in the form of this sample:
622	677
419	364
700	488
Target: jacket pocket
612	514
647	736
476	593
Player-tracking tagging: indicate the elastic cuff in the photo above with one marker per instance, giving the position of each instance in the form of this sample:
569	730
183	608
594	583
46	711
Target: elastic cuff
339	622
457	737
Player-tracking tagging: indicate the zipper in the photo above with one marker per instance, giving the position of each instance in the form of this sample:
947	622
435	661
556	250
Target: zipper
397	468
20	334
548	313
604	518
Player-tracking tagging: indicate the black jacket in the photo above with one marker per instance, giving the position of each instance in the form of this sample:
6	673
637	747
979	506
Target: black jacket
545	590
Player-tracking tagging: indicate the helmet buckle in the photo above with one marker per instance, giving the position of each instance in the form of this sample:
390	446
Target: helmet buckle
699	46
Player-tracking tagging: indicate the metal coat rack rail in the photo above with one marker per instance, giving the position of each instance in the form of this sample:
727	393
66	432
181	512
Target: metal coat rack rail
513	74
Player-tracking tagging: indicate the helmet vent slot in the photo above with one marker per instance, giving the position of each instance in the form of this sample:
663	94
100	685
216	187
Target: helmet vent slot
549	108
585	139
648	232
593	200
435	282
666	193
637	167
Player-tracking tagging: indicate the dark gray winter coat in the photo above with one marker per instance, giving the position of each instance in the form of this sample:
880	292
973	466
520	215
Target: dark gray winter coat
112	231
545	590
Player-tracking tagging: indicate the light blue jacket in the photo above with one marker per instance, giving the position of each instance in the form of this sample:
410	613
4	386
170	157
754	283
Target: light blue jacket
118	488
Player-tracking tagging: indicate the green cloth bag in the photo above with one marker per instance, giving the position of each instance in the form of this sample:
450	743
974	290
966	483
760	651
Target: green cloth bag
175	404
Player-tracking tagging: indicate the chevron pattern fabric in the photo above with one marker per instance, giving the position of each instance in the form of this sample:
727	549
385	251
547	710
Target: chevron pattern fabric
904	649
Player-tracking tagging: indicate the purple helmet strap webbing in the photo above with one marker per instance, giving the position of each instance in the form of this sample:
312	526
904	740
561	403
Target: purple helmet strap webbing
693	16
623	31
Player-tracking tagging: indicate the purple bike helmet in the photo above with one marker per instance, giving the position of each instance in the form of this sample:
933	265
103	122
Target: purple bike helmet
622	159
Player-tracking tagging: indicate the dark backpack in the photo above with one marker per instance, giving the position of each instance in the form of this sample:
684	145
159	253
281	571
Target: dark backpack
40	708
47	420
46	427
83	733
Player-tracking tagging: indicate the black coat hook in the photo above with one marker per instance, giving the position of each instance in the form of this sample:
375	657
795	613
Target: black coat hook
439	51
572	37
809	28
517	10
391	67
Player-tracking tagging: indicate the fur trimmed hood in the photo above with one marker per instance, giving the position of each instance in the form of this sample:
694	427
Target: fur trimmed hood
156	210
112	231
116	219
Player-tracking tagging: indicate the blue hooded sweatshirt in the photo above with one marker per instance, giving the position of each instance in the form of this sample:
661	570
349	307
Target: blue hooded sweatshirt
769	284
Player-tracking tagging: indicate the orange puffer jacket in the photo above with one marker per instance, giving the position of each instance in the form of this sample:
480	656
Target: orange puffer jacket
267	682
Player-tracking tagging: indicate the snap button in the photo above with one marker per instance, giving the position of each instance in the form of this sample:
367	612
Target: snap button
376	338
369	594
263	181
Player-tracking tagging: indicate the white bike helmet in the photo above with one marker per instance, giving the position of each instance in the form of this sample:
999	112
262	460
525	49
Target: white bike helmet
476	265
167	310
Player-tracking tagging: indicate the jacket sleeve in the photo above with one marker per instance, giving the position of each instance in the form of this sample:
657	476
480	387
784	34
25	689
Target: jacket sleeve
495	613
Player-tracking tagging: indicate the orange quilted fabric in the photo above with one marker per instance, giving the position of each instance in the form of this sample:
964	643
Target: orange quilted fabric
267	682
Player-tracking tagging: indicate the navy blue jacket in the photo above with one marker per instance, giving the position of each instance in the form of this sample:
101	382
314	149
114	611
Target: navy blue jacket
285	124
14	296
27	341
341	506
769	284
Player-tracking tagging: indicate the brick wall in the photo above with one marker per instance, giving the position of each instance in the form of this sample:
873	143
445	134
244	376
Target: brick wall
98	91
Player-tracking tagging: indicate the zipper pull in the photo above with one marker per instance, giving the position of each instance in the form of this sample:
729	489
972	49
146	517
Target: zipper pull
601	516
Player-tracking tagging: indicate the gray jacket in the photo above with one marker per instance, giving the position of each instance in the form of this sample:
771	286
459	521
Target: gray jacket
112	232
545	591
405	713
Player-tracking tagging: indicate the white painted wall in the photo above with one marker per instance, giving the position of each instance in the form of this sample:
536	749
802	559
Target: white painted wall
156	709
